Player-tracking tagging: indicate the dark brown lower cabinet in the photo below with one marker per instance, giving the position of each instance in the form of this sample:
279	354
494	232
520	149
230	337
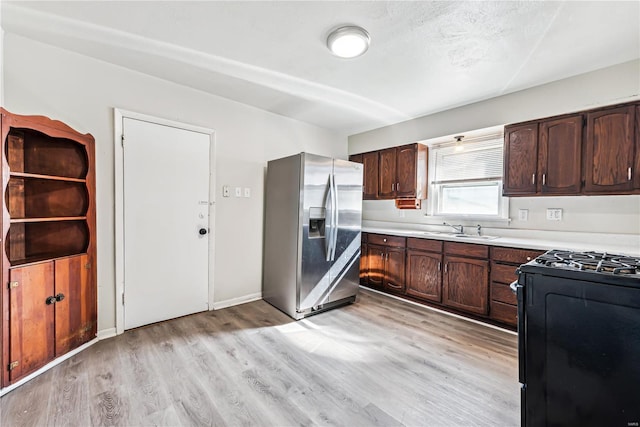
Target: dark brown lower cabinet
394	270
424	275
466	284
375	265
52	307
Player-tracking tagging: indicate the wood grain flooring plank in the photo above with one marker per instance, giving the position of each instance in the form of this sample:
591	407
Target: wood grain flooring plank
377	362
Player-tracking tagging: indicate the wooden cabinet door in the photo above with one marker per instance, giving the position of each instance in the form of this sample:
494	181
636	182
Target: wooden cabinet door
356	158
375	260
560	156
75	311
31	319
406	171
466	284
424	275
636	170
370	166
364	264
520	159
609	151
387	174
394	269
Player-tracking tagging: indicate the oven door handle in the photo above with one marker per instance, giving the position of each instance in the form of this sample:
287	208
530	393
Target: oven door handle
519	291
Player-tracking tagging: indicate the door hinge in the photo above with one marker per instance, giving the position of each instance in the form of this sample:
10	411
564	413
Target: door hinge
122	140
13	285
13	365
88	266
123	298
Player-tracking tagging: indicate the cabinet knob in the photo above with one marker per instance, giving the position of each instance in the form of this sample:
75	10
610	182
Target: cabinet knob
50	300
528	258
384	240
202	231
59	297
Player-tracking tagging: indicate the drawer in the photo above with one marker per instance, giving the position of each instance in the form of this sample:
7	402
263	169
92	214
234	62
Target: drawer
380	239
424	244
502	293
513	255
466	249
503	273
505	313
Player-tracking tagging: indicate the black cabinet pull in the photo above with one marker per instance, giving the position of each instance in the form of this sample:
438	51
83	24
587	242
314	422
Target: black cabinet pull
50	300
203	231
59	297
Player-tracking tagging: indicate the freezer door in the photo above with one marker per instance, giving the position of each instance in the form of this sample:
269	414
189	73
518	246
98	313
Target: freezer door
317	212
345	271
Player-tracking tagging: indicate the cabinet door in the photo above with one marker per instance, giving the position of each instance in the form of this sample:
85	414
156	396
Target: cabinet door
370	166
364	264
466	284
375	260
75	312
424	276
560	156
31	319
394	269
609	154
356	158
406	171
387	174
636	170
520	159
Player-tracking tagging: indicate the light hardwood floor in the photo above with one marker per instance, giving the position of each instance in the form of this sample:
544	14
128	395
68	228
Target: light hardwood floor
376	362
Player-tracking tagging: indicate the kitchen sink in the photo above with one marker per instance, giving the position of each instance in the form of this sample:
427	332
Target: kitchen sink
460	235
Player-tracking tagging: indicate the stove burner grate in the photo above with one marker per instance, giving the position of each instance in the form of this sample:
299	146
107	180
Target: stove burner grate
593	261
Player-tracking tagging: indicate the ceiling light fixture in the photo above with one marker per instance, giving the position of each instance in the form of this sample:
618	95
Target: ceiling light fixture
348	42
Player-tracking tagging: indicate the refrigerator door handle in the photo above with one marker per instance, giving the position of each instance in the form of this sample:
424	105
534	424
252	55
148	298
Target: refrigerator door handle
329	209
334	222
519	290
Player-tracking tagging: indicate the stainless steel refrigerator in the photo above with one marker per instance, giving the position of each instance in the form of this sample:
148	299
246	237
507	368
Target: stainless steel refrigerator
313	215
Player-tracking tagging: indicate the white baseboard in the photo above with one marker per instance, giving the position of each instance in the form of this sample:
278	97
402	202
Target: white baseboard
237	301
106	333
48	366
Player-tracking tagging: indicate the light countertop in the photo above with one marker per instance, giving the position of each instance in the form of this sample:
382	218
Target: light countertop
531	239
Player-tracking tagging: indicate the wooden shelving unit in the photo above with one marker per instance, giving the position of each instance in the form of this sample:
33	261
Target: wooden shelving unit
48	225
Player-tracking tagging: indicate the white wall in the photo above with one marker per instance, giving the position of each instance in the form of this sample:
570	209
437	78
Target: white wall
601	214
82	92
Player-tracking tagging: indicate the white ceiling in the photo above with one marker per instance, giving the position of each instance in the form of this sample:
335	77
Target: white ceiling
425	56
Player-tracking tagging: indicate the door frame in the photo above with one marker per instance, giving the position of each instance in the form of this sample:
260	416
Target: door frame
119	115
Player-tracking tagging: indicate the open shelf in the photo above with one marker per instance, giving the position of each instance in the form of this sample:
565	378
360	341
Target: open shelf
32	152
31	241
50	219
49	177
29	198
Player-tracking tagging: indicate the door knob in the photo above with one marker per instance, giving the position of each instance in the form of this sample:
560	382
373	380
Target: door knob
202	231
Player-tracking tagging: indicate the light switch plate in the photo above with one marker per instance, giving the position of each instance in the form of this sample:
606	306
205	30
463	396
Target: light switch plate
247	192
238	191
225	191
554	214
523	214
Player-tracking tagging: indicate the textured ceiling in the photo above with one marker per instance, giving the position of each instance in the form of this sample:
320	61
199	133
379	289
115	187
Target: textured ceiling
425	56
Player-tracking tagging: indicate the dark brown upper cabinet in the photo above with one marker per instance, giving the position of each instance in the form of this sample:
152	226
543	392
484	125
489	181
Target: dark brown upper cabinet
370	173
395	173
520	159
610	150
557	156
560	155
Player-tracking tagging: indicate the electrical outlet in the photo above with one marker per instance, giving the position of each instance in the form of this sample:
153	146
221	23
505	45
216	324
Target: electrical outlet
225	191
238	191
523	214
554	214
247	192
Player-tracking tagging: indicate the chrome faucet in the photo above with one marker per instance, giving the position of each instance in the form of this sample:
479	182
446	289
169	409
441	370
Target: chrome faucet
458	228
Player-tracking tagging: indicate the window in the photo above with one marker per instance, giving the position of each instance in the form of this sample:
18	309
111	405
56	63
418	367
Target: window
467	178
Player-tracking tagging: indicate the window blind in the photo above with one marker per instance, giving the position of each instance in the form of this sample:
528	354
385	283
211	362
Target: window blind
469	161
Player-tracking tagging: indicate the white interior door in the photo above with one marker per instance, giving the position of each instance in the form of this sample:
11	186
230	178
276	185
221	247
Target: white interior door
166	213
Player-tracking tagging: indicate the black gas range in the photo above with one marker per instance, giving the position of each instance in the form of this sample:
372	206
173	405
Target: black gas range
579	339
